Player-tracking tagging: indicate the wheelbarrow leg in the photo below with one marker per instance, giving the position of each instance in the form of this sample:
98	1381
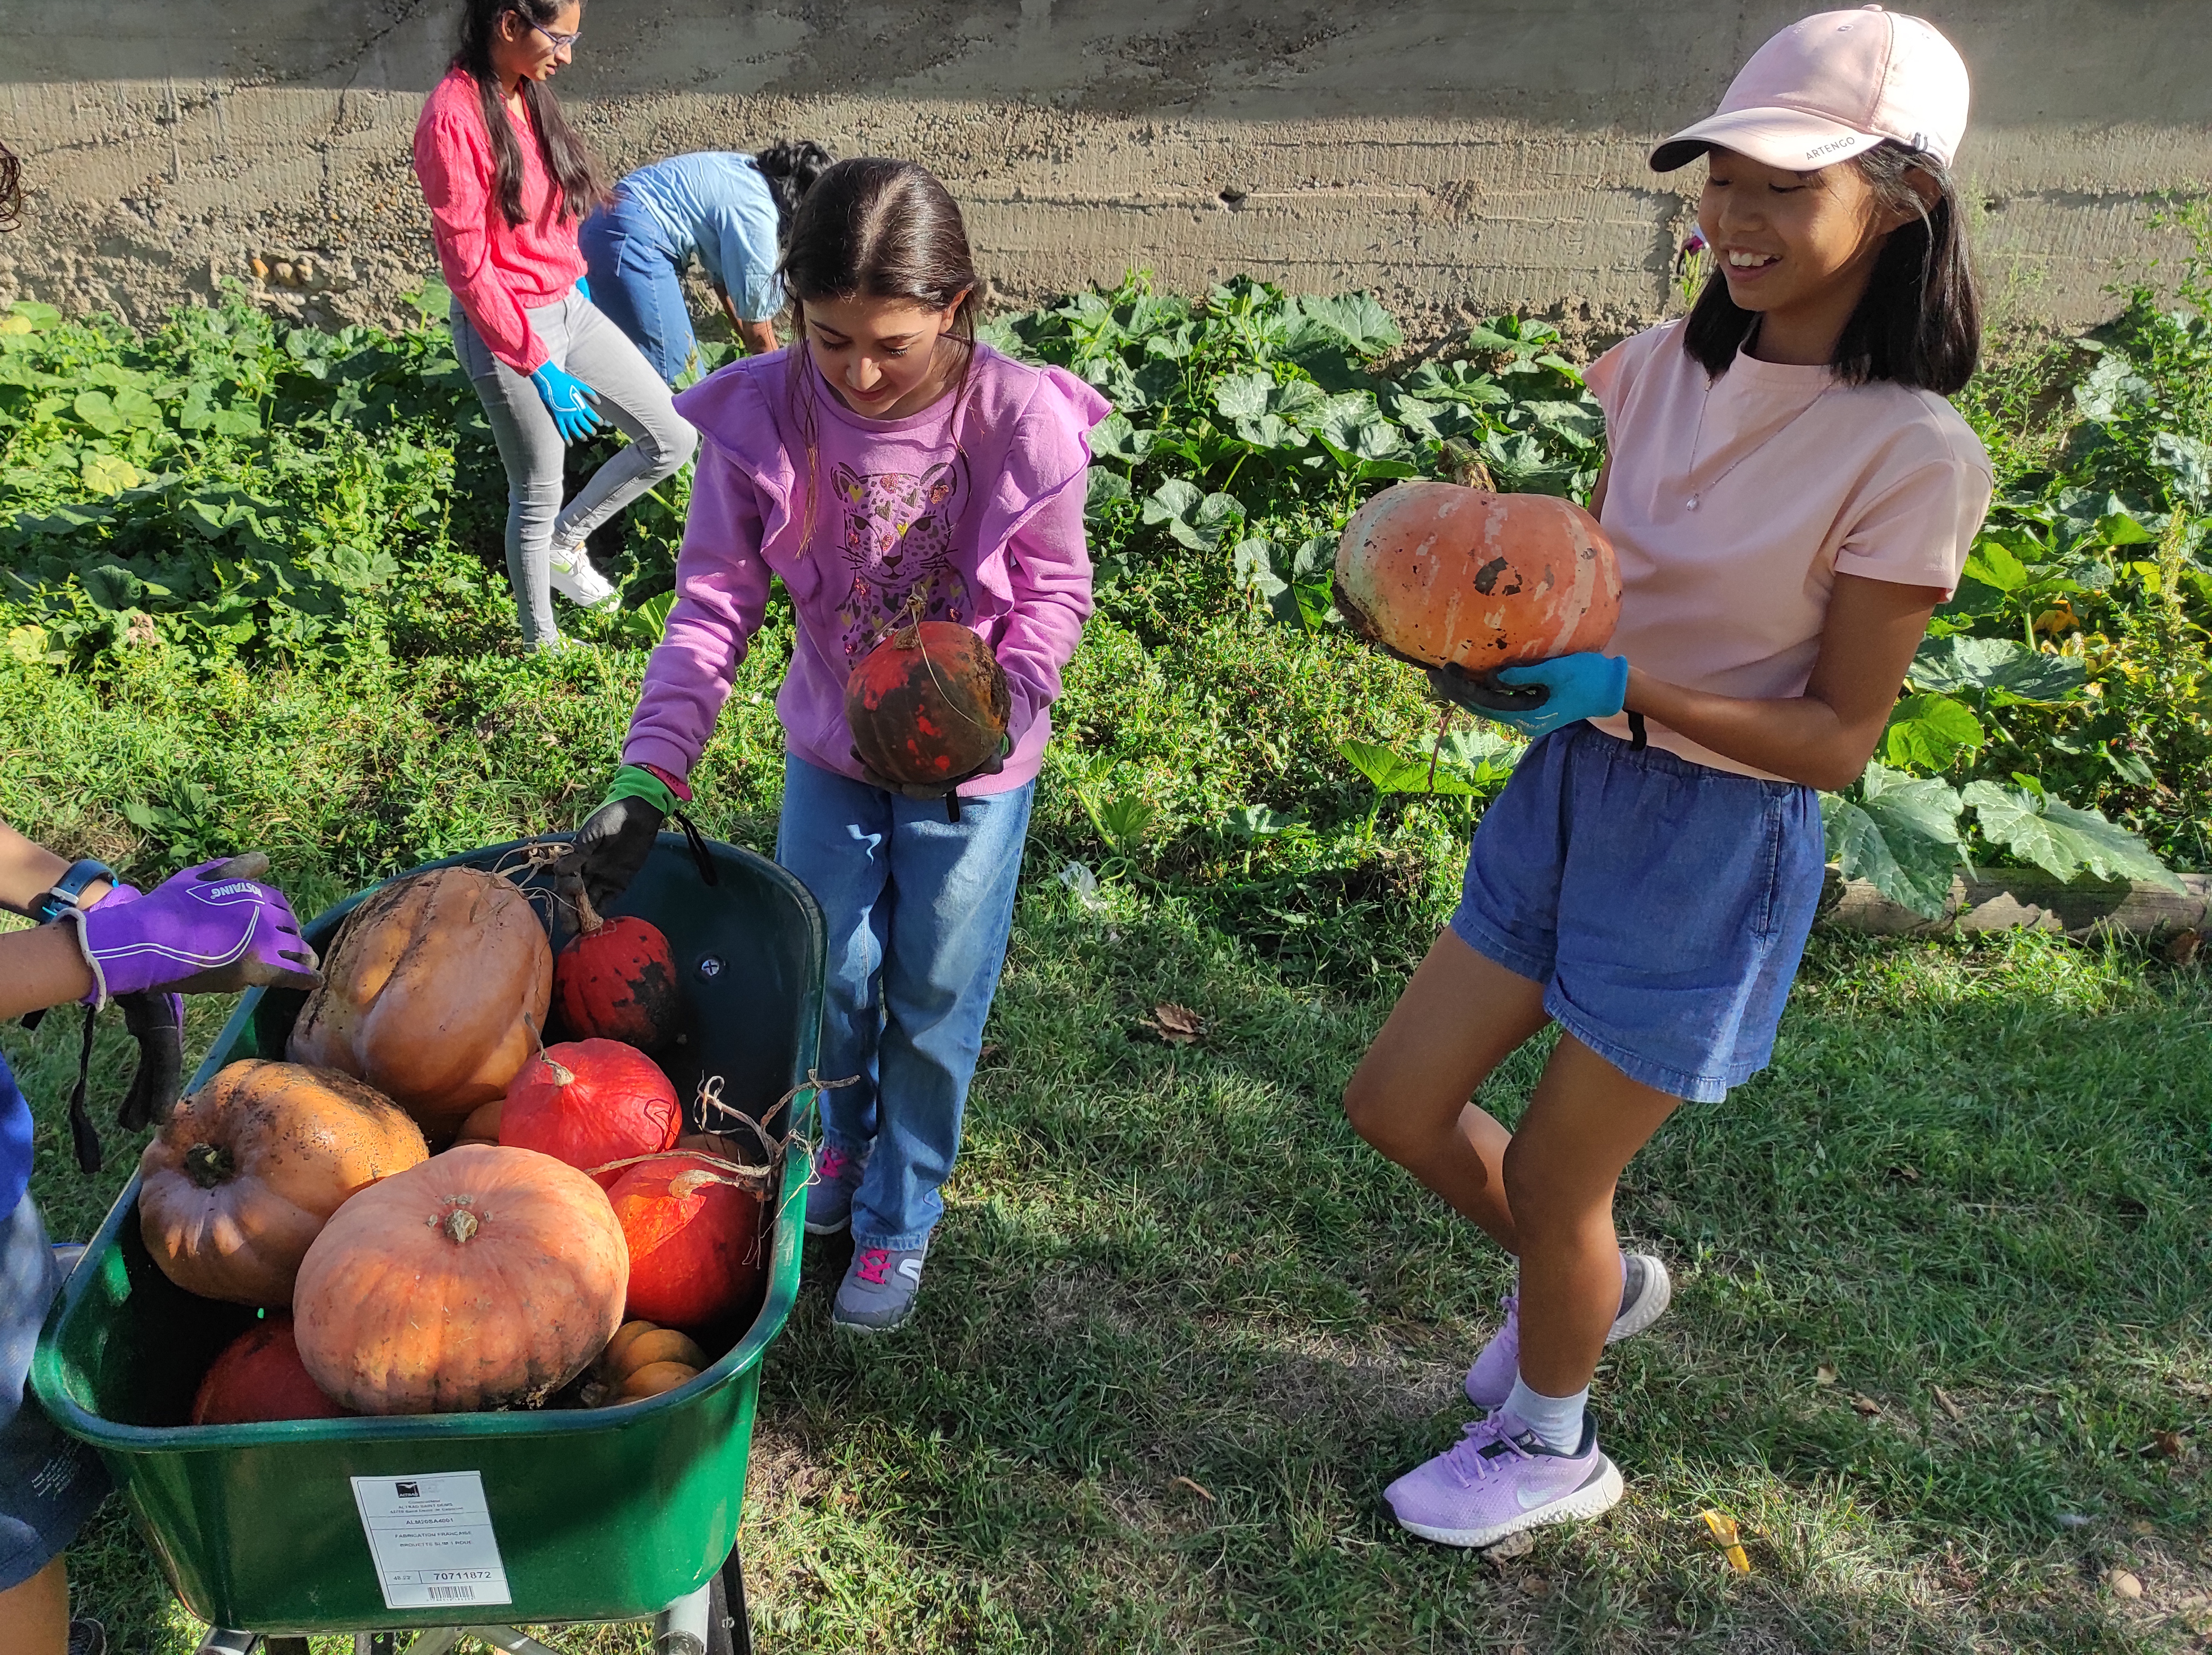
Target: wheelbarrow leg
285	1646
730	1630
227	1640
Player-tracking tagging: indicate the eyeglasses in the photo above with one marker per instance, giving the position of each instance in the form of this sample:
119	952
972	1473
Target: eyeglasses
561	42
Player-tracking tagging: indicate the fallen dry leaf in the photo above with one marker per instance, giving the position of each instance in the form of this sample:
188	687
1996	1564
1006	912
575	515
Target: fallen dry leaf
2123	1585
1908	1174
2181	947
1724	1530
2166	1445
1942	1401
1824	1375
991	1053
1185	1482
1178	1025
1862	1404
1534	1585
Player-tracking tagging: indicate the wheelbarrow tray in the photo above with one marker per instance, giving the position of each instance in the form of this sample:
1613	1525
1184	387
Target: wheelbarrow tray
598	1515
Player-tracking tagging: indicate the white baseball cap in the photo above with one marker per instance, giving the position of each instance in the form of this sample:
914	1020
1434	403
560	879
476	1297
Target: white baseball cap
1833	86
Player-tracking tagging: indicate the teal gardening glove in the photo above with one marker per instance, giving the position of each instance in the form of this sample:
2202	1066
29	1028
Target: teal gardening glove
568	399
1543	697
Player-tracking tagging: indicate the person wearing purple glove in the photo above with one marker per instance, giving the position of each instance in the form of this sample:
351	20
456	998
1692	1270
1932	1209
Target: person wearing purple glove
209	929
1791	495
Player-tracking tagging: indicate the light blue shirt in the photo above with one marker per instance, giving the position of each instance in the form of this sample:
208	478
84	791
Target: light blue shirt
717	206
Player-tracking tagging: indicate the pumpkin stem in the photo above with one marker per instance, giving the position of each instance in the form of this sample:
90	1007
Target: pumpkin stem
208	1164
562	1077
588	917
460	1223
1463	466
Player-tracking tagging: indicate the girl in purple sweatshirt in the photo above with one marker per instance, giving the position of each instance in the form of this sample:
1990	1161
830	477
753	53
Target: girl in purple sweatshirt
883	466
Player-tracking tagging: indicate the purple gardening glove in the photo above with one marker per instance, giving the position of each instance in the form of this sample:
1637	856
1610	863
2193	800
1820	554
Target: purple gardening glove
209	929
156	1021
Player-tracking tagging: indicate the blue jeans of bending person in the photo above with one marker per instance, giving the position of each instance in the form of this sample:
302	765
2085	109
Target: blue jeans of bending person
637	282
917	910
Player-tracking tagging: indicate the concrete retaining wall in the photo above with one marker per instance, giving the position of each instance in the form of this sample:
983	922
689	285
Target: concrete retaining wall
1458	158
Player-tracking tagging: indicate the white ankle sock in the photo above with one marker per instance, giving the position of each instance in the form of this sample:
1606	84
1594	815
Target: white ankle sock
1557	1421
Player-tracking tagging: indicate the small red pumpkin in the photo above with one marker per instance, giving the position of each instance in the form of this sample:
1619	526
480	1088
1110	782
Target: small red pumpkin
616	980
590	1102
694	1240
928	703
259	1377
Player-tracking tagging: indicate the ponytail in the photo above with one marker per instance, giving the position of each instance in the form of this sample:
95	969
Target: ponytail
789	167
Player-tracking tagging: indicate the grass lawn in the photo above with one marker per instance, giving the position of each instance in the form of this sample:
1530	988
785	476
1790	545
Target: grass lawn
1180	1326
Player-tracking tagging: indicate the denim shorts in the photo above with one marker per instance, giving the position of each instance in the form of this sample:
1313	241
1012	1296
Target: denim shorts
1663	904
49	1482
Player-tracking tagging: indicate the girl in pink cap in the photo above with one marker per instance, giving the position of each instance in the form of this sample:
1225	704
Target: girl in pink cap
1791	497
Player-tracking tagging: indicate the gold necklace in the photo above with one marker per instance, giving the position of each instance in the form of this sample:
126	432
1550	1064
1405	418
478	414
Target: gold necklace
1698	437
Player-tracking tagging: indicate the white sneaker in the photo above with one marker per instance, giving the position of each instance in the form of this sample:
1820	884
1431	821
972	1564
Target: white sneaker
575	579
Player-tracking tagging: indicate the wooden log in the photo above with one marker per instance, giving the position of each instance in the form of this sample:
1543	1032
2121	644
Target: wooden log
2000	898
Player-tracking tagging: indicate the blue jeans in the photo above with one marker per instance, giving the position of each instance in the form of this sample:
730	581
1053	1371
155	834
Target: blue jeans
637	282
49	1482
918	909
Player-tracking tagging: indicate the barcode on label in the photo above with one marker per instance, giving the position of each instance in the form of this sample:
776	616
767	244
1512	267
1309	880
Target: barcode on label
451	1594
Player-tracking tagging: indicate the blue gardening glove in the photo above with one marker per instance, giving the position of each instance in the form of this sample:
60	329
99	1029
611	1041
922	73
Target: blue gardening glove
1544	697
584	287
568	399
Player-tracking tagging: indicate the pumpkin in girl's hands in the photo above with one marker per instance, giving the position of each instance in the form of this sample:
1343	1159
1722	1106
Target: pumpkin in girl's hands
617	979
590	1102
927	704
1439	574
433	994
694	1232
259	1377
243	1174
485	1277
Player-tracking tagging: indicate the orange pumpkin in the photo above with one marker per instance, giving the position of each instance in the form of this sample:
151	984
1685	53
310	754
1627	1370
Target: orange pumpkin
642	1361
258	1377
484	1278
591	1102
244	1173
434	993
1437	574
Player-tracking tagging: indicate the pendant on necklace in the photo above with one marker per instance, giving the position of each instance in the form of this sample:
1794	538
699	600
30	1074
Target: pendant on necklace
1691	504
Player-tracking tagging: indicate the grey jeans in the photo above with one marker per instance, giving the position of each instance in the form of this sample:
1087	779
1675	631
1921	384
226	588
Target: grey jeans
584	343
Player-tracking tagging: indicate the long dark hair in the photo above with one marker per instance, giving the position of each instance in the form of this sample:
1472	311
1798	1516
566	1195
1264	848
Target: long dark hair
790	167
1919	321
876	228
11	189
569	160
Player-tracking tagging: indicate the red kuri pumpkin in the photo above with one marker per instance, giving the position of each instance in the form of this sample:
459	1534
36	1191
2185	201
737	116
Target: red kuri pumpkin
484	1278
615	979
1437	574
244	1173
590	1102
694	1240
928	703
259	1377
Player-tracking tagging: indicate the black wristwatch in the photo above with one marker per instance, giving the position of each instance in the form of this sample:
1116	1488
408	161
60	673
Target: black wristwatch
69	889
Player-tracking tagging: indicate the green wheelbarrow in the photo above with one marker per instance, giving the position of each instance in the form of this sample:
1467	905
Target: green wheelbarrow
371	1526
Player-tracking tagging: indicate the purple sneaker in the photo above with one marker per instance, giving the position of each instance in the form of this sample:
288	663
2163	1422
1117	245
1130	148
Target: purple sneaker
829	1194
1645	1293
1498	1480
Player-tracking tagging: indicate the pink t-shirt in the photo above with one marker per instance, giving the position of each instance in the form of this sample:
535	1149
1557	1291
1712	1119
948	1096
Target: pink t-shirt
1797	477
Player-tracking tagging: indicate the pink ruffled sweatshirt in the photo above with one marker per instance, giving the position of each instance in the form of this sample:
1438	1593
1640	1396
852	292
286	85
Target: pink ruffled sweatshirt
971	511
499	271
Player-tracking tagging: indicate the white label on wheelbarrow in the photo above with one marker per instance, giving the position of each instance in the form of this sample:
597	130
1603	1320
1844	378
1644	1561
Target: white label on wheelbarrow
431	1539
